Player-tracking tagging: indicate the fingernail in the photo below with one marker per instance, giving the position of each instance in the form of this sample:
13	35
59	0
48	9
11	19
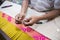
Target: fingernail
20	18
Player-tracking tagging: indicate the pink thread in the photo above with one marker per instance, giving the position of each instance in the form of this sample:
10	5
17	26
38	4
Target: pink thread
40	37
29	29
24	29
9	18
36	37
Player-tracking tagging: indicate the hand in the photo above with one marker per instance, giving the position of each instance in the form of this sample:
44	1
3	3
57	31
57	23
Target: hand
30	21
19	18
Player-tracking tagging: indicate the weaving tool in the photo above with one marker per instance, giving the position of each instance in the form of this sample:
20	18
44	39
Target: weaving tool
18	31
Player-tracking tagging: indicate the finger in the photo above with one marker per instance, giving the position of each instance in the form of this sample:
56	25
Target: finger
18	22
30	23
17	17
27	20
21	17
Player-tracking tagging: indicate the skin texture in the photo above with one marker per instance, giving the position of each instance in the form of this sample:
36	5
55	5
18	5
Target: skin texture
33	19
19	17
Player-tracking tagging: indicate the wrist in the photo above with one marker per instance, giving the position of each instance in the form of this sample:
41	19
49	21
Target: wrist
42	16
22	13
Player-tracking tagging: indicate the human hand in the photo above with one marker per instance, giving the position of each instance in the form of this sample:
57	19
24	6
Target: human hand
30	21
19	18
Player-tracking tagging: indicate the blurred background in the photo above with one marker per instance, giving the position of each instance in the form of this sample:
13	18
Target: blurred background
16	1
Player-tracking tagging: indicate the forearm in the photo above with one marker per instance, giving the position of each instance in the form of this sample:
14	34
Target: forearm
50	15
24	6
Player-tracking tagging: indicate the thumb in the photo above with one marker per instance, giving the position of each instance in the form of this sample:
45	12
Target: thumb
21	18
27	19
28	22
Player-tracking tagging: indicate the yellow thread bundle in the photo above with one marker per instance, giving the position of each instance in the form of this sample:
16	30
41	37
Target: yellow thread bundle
13	32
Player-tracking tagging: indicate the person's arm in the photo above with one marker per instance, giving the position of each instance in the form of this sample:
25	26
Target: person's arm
24	6
35	19
19	17
50	15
